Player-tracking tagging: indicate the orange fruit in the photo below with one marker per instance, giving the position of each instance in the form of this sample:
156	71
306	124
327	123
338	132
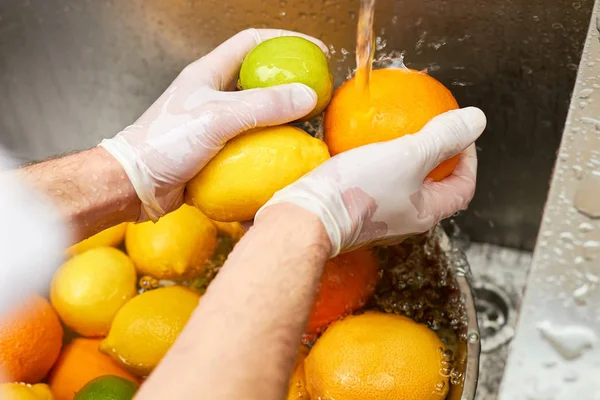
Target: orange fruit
30	341
78	363
297	383
400	103
347	282
376	356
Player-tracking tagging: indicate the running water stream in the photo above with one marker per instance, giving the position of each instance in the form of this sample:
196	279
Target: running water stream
365	47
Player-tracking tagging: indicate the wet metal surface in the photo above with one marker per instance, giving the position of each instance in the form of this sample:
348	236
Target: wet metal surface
75	71
555	354
498	273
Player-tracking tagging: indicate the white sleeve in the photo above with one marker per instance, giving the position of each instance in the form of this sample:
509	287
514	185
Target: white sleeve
32	238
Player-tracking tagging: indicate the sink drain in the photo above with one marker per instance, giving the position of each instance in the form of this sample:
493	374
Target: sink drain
495	315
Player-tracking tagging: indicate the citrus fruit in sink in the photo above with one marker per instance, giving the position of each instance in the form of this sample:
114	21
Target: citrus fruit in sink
400	103
251	168
110	237
30	340
289	59
80	362
347	282
145	327
23	391
376	356
177	247
108	387
88	290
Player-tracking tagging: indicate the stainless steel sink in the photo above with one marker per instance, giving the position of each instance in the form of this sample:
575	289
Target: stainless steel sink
73	72
499	276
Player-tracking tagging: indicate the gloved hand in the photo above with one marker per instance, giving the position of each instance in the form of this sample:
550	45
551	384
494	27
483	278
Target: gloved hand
377	194
189	123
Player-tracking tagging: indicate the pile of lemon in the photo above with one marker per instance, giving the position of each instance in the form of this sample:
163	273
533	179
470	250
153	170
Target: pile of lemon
126	293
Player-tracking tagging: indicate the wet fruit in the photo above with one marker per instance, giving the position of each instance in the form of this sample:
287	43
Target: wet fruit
30	341
347	282
401	102
88	290
177	247
108	387
376	356
110	237
146	327
289	59
23	391
79	363
251	168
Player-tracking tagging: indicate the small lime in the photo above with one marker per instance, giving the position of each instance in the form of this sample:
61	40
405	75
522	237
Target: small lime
107	387
289	59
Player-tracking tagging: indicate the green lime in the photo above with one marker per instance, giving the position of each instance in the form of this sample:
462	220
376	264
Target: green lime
107	387
289	59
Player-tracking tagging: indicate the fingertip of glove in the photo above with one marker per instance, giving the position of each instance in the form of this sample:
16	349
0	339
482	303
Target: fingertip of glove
303	96
473	118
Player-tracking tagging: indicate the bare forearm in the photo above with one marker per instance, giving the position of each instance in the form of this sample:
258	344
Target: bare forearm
242	339
90	190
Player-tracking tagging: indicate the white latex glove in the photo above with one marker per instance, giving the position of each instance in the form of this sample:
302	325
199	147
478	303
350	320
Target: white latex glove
377	194
179	134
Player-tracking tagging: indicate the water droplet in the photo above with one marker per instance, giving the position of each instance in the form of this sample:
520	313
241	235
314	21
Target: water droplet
568	238
473	337
593	278
591	249
593	121
568	341
585	227
580	293
585	93
586	194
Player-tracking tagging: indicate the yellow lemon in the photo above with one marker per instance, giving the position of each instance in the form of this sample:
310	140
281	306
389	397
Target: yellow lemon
110	237
88	290
146	327
297	383
177	247
251	168
376	356
22	391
